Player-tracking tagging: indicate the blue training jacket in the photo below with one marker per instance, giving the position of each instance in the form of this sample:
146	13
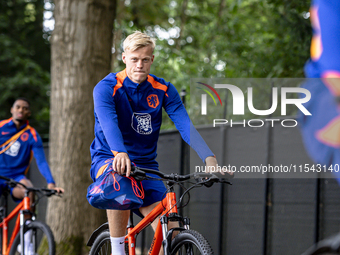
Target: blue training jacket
128	118
320	131
325	52
16	159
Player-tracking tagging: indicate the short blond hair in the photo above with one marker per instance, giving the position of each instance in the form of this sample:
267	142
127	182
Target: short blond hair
138	40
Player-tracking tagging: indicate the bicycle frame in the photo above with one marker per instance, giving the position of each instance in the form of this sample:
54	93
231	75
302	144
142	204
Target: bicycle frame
24	205
169	203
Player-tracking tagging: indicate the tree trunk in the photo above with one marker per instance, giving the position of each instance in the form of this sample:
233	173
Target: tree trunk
81	55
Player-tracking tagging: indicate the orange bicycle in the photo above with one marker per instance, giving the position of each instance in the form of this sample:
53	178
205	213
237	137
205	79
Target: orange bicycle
36	236
187	241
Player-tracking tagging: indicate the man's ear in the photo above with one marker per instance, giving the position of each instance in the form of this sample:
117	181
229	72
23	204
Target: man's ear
124	57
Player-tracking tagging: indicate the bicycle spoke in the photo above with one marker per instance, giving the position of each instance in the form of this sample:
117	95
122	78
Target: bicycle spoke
34	241
189	249
105	249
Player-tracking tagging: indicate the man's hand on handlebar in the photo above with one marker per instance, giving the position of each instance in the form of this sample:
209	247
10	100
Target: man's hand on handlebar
52	186
212	166
120	162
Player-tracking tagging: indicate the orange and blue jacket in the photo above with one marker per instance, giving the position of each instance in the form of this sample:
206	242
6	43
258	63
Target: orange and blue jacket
128	118
15	156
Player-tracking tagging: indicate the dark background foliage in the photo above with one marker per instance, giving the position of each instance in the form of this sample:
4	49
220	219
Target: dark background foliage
208	39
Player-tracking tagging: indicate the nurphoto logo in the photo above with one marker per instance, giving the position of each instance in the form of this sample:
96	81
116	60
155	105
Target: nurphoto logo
294	97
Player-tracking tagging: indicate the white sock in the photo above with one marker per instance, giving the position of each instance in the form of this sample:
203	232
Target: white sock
28	237
28	248
118	245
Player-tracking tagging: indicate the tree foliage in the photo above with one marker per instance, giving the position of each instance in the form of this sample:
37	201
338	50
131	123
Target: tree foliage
220	39
24	59
223	38
195	39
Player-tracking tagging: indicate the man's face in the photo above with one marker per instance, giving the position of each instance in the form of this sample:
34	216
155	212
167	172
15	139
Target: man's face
20	110
138	63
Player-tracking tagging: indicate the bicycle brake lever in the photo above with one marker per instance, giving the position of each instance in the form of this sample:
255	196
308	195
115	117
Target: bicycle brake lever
225	181
209	183
11	184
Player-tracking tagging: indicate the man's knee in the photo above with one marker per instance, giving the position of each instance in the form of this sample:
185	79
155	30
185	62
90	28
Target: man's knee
27	183
19	191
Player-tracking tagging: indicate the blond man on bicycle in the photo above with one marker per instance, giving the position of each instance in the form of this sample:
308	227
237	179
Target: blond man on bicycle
128	113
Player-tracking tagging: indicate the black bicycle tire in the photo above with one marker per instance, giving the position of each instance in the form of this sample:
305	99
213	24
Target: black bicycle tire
103	239
36	225
194	238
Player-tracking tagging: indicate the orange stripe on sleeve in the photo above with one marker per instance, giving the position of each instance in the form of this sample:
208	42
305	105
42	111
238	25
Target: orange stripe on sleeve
10	141
114	153
156	84
34	133
101	170
330	133
118	86
332	81
29	163
3	122
121	76
120	79
316	43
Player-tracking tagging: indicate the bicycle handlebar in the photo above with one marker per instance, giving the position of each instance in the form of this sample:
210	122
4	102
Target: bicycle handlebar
46	192
140	173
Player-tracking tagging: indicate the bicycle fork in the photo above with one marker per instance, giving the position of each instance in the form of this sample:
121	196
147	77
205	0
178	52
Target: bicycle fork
23	212
167	235
172	215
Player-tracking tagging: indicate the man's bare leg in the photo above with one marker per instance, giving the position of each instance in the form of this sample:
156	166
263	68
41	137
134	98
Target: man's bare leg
118	220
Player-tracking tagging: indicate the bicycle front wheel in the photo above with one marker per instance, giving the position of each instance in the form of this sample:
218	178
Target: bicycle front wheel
190	242
102	244
38	239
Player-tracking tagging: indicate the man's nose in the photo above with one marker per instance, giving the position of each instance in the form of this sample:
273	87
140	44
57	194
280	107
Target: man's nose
140	63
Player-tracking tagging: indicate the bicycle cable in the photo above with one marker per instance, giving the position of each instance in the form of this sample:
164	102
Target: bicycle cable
196	185
179	183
